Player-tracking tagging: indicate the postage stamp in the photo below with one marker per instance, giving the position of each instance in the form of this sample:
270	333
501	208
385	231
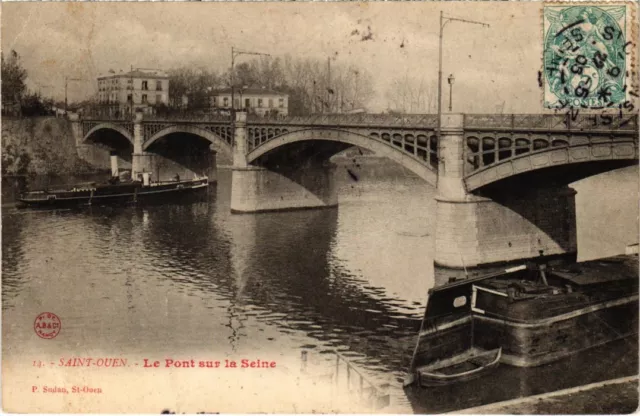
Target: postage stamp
586	55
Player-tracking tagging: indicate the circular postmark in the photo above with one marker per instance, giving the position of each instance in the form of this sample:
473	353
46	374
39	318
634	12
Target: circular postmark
585	56
47	325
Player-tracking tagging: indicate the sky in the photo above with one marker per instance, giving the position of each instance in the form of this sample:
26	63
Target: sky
495	68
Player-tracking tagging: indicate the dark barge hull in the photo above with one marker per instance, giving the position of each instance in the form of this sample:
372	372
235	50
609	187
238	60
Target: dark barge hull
108	194
534	343
593	304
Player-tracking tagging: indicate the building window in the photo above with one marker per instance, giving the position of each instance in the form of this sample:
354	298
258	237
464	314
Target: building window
270	102
145	85
247	102
144	98
226	101
236	102
129	98
259	102
214	101
281	102
158	98
158	85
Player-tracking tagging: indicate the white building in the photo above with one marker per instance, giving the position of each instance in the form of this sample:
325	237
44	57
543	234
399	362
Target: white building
133	90
260	101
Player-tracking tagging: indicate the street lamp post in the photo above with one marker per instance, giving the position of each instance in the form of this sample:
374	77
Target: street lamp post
244	87
355	98
66	82
234	54
443	21
133	94
451	79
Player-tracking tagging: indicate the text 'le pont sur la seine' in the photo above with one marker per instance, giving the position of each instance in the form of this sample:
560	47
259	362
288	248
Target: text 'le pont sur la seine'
165	363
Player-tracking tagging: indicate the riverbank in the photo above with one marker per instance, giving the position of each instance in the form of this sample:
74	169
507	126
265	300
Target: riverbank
40	146
618	396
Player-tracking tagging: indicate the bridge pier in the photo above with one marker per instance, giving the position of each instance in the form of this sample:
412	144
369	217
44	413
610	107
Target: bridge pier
279	188
514	225
141	161
257	189
501	179
212	172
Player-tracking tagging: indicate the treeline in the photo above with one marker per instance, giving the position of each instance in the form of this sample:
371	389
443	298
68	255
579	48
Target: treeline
16	99
313	85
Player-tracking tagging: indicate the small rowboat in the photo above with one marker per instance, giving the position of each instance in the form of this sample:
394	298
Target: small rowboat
471	364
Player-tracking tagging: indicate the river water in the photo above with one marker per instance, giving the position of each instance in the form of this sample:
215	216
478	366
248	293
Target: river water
193	281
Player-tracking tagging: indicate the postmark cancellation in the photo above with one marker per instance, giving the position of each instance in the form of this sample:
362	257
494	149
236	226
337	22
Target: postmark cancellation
588	56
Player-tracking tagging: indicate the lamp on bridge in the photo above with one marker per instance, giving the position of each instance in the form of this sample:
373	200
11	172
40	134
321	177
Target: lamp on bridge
451	79
443	22
242	90
234	53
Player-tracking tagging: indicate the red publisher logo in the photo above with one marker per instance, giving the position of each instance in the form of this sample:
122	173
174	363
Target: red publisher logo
47	325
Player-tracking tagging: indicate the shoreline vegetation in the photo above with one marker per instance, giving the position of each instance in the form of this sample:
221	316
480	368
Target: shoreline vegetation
40	146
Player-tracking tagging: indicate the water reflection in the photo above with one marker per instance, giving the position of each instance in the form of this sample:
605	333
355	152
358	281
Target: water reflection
13	255
194	279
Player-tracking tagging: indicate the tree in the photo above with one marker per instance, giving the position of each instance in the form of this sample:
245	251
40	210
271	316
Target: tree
312	90
305	80
410	95
13	79
246	74
194	83
34	105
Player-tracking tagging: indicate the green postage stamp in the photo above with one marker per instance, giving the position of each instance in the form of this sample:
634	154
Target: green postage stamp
587	56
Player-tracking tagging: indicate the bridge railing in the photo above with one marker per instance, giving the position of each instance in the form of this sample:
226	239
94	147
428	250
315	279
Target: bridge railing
200	118
552	121
361	119
379	120
548	122
205	118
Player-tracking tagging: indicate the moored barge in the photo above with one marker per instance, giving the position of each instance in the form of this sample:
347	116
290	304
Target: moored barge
524	316
114	192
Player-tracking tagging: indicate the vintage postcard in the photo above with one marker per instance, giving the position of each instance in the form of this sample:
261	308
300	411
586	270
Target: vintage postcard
320	207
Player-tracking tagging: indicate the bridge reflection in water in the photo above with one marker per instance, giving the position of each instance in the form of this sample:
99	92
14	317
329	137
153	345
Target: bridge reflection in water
201	281
488	169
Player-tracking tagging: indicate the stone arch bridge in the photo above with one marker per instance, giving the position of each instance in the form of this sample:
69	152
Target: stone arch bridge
501	180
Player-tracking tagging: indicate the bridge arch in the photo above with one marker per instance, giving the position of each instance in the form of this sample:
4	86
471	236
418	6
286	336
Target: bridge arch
376	145
109	126
218	144
577	157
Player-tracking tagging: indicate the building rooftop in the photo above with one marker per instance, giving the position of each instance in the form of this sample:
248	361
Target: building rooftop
137	73
249	91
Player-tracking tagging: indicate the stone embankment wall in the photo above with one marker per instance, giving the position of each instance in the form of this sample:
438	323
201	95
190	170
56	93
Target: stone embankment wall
40	146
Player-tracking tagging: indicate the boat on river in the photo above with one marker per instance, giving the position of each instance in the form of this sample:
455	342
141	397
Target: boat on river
114	191
524	316
471	364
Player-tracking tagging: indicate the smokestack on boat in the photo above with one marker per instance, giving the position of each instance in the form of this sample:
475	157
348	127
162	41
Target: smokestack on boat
146	179
114	164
